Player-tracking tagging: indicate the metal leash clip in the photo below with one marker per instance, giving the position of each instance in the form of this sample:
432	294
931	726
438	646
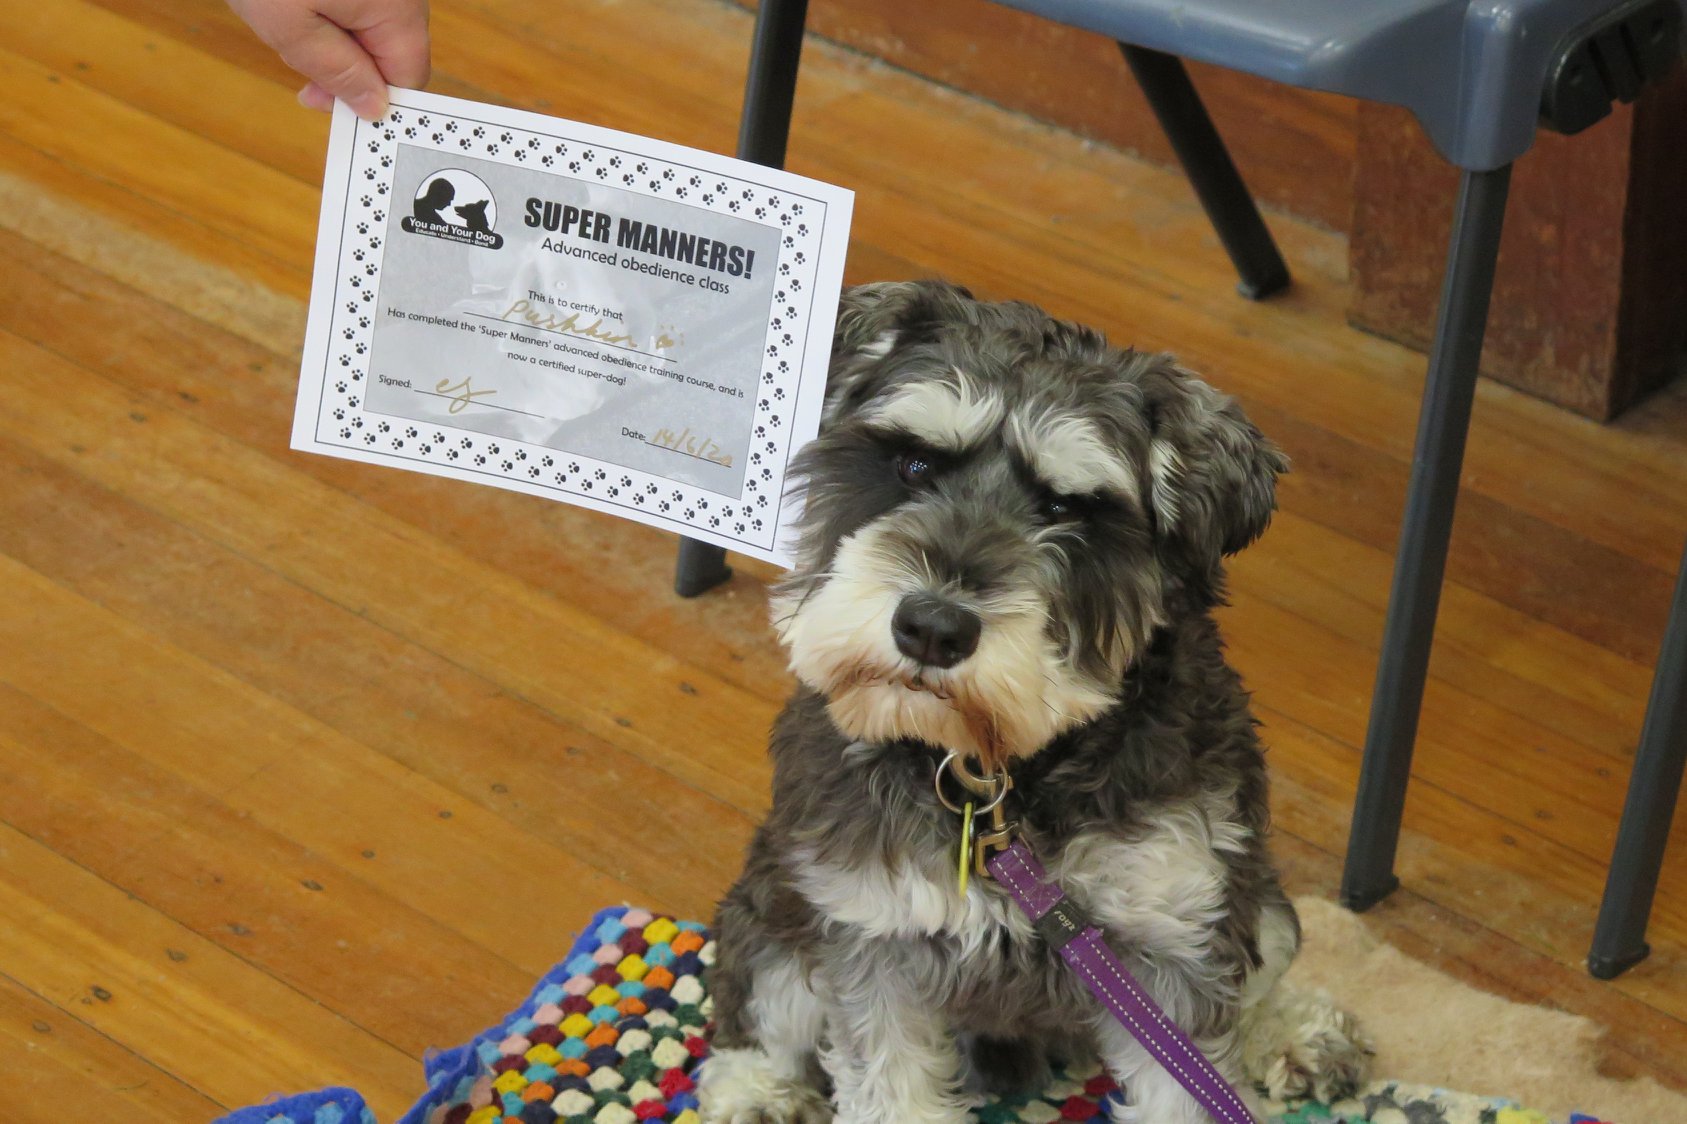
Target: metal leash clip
991	791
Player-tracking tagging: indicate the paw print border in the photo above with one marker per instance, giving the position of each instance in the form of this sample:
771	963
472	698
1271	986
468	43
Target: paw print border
751	518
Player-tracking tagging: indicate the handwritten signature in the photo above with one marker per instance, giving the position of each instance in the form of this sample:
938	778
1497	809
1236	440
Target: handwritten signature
571	325
462	395
703	448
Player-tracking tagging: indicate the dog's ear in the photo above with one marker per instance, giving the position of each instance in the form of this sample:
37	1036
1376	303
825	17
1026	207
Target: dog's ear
1212	474
873	321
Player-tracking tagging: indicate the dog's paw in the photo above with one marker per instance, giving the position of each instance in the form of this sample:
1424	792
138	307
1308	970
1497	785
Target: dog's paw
739	1086
1303	1045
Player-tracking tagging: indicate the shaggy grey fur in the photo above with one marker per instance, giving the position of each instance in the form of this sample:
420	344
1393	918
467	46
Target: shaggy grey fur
850	974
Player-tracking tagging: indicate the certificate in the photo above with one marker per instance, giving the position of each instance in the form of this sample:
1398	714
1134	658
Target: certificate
559	309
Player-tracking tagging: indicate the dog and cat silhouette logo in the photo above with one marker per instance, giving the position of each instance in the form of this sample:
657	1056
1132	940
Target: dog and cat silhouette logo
457	206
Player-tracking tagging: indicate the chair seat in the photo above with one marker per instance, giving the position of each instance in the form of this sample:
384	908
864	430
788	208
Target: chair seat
1472	71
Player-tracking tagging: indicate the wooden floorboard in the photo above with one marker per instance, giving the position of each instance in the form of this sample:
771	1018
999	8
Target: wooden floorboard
307	765
62	1052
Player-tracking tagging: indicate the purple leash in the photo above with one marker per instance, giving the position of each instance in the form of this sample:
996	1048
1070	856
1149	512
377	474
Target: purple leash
1079	943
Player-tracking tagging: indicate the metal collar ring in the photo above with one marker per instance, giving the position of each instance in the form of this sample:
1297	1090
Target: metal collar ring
992	787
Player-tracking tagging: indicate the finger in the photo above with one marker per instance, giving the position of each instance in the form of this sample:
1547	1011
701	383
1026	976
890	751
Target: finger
314	45
334	62
315	97
399	45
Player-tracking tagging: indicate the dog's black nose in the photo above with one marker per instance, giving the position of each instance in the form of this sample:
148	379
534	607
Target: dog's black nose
934	632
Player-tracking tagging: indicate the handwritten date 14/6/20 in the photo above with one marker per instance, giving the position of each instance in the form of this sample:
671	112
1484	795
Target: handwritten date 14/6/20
685	443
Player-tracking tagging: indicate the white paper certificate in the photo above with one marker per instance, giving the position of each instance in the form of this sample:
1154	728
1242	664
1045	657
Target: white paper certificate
564	310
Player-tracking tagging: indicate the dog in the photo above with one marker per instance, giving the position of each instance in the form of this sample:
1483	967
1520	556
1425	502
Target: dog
474	216
1012	544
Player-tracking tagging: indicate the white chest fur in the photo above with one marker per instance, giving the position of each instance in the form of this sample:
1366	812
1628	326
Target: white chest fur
1161	893
908	901
1161	889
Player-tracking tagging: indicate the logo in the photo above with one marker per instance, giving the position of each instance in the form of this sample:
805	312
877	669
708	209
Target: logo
457	206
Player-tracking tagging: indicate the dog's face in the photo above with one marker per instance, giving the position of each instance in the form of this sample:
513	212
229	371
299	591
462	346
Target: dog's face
1000	511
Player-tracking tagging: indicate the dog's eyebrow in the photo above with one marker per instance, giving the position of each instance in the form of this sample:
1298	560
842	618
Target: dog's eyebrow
1069	454
945	414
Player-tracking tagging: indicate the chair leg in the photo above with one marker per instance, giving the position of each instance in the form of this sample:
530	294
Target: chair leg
1619	939
699	568
771	86
1211	172
763	129
1424	533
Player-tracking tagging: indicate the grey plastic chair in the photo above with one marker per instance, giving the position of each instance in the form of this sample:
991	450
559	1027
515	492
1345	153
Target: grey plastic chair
1479	75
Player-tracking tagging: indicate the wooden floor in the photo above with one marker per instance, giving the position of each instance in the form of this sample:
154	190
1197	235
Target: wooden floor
306	766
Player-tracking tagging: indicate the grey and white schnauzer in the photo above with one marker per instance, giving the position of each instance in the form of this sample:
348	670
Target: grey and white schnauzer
1013	543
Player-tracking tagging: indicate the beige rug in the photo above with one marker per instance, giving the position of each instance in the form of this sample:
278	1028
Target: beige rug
1431	1029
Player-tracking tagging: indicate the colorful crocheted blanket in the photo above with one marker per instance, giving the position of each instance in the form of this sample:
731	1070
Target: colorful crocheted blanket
614	1035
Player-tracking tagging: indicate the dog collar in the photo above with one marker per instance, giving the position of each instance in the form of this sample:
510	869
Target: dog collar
979	795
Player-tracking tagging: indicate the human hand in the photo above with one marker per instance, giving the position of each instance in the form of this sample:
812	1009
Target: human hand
349	49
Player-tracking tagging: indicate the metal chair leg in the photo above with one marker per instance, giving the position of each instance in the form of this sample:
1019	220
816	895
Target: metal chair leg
1619	938
1424	533
1211	172
763	129
771	86
699	568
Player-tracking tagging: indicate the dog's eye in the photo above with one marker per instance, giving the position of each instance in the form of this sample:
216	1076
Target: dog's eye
1061	509
916	469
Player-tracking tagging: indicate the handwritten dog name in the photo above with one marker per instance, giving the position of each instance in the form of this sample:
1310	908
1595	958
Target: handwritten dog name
573	325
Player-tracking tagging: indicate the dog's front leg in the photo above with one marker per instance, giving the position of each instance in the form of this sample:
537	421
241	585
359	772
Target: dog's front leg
767	1026
890	1053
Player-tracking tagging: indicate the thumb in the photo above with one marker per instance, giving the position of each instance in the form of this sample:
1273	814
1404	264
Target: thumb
398	42
338	65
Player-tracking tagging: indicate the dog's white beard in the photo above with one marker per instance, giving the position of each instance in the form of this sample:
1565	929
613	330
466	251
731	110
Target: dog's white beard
1008	699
